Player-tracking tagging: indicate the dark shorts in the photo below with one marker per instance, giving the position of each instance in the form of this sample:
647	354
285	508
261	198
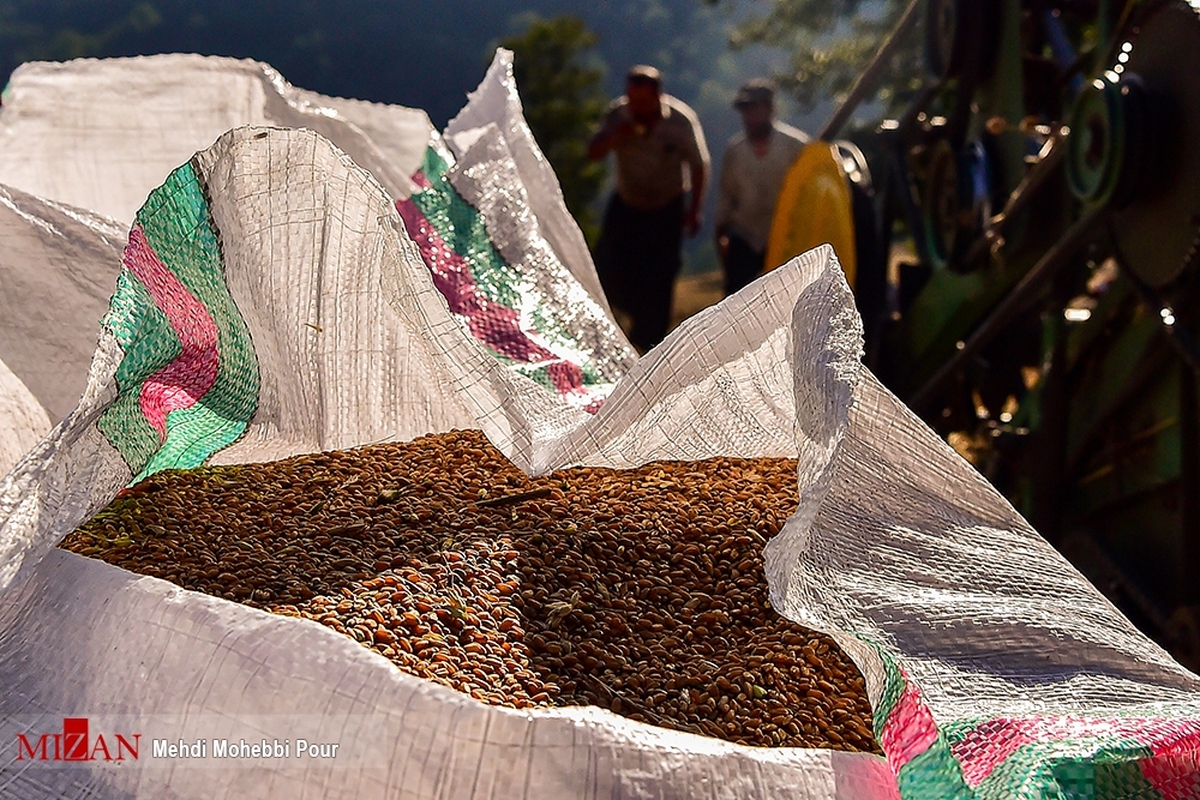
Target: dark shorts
638	259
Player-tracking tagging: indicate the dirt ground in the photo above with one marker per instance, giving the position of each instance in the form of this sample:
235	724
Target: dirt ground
694	293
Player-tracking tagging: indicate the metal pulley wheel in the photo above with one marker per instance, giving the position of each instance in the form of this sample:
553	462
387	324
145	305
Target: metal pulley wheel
1112	139
1157	225
957	203
940	204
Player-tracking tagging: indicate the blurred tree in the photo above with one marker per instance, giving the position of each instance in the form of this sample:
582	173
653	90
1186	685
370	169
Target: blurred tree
24	37
561	91
830	41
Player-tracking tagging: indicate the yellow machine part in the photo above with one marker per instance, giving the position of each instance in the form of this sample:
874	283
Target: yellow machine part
814	207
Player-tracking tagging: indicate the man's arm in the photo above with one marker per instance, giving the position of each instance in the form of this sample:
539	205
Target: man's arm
605	142
698	160
615	131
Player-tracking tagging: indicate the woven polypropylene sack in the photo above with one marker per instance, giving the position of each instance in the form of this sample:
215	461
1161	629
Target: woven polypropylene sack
473	222
994	669
497	102
23	420
57	269
297	220
101	134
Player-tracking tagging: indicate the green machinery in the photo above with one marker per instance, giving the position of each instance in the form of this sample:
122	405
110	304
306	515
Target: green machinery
1047	324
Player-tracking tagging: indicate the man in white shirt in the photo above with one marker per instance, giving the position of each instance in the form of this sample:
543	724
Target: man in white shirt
660	156
755	164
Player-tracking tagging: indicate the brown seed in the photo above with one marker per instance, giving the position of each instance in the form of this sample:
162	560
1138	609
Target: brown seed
648	581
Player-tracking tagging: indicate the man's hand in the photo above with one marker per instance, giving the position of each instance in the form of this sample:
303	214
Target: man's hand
626	132
604	143
722	242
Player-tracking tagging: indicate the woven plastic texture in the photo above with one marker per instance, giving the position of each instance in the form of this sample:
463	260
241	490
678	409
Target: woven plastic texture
23	420
274	299
57	269
497	102
101	134
477	234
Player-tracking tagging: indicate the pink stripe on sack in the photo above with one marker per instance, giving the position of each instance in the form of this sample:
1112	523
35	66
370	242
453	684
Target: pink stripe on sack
192	373
1174	771
990	743
909	729
1172	737
495	325
566	376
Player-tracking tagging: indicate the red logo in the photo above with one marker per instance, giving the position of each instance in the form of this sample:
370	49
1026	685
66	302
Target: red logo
75	744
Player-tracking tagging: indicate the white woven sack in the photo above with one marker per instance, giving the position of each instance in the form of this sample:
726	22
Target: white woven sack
389	360
23	420
971	631
101	134
57	269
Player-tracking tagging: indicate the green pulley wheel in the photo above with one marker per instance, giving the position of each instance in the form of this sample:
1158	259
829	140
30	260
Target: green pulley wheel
1109	141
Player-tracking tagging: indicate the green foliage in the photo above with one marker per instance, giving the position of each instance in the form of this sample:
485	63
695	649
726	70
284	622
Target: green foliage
563	99
830	42
29	40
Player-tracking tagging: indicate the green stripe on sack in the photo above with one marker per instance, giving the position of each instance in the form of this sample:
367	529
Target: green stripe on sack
178	229
1121	780
196	433
1108	771
1086	779
150	344
463	229
178	226
540	373
893	686
1041	771
933	774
